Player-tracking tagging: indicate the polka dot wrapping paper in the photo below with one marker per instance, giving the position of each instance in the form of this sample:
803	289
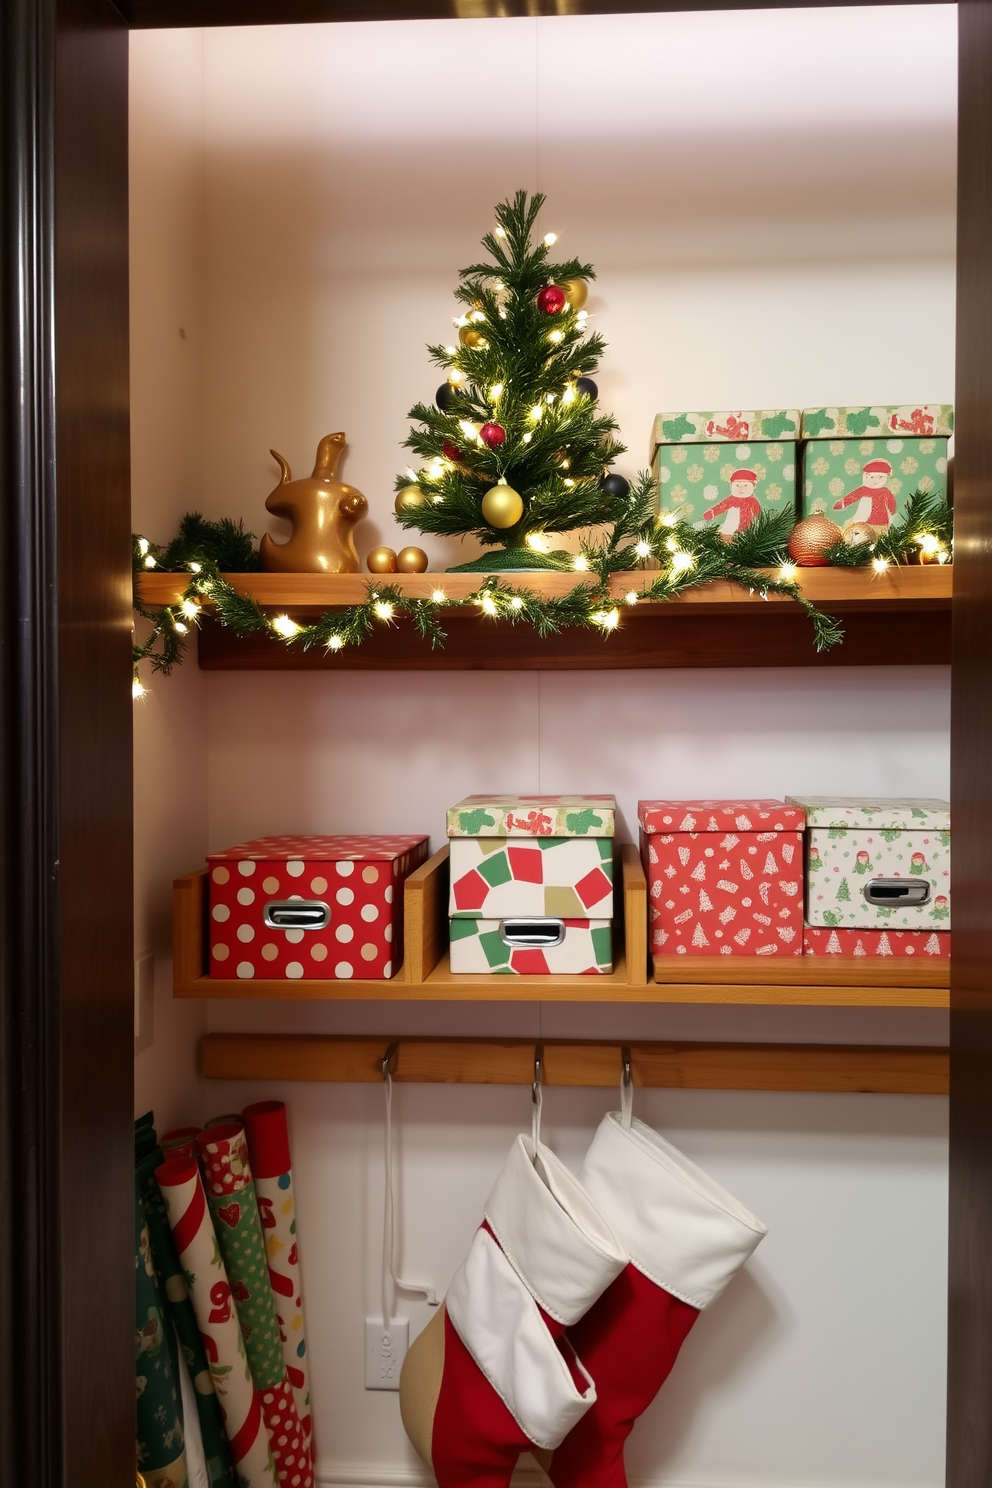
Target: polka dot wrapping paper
357	880
233	1207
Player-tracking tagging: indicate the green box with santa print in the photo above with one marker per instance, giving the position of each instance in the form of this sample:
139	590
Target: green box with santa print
861	465
721	469
874	862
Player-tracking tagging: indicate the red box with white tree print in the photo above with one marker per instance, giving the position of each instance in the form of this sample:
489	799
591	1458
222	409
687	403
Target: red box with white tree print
725	878
925	945
310	908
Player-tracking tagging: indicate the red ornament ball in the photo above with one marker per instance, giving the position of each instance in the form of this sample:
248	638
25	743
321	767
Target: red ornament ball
451	452
492	434
810	539
551	300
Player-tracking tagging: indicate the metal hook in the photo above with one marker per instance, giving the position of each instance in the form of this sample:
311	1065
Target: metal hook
625	1057
535	1089
389	1061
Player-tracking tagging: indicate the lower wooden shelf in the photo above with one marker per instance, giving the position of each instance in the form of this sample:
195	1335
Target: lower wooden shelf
426	975
823	1068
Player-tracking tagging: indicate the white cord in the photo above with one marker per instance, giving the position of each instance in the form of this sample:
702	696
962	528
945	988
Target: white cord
388	1257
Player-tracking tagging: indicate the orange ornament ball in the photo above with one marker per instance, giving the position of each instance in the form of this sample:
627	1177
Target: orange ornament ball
411	560
810	539
381	560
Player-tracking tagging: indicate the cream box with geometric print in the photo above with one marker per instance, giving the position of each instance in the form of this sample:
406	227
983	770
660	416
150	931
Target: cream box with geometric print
874	863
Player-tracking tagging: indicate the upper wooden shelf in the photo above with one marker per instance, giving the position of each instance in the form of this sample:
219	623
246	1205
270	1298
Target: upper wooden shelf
688	632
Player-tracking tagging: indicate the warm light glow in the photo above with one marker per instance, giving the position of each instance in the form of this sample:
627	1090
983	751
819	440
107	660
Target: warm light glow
498	284
285	626
526	438
787	572
556	336
631	597
537	411
550	239
137	691
190	609
880	564
194	568
549	397
335	643
500	233
608	619
580	564
142	546
928	543
383	610
468	429
488	604
536	541
682	562
439	596
671	544
478	317
179	627
456	378
460	321
568	483
496	391
411	474
943	556
437	500
150	561
643	550
568	396
670	519
516	603
451	351
582	315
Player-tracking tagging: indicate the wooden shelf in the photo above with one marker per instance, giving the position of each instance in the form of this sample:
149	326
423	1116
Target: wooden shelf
803	981
687	632
426	975
847	1069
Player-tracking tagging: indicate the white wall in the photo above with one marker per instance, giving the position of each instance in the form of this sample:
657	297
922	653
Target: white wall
768	199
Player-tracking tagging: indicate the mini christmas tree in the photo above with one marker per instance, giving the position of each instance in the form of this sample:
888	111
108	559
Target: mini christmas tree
515	448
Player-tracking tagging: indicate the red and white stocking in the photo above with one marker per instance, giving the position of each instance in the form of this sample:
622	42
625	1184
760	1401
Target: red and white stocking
492	1375
686	1237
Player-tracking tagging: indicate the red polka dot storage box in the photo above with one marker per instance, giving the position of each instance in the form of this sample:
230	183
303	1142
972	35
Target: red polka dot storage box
725	878
531	885
310	908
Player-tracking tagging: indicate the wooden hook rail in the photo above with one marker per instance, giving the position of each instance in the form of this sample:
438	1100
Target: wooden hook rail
844	1068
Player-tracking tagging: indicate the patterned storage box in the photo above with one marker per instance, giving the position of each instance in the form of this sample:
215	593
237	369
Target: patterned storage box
310	907
725	878
722	469
531	884
876	863
861	465
927	945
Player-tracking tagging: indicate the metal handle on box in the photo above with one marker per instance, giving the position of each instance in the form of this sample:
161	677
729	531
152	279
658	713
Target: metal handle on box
297	914
898	893
532	932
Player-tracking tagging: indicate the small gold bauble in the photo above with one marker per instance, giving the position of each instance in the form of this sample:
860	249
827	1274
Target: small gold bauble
381	560
472	338
576	292
408	498
502	506
411	560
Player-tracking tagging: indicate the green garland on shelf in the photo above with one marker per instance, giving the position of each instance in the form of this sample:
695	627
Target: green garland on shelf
685	559
926	531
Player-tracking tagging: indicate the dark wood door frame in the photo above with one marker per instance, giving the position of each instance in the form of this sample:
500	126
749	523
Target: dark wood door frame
66	1319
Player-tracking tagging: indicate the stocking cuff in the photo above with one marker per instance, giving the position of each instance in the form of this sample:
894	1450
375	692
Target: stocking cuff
683	1230
552	1233
498	1321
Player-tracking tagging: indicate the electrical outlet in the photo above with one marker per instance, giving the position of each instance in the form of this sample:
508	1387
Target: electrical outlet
385	1350
144	1001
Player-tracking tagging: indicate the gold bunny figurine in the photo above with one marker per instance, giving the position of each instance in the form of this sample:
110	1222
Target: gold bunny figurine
323	512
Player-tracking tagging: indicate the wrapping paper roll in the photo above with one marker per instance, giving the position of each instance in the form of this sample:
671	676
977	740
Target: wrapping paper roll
267	1134
216	1449
231	1196
186	1205
160	1448
180	1142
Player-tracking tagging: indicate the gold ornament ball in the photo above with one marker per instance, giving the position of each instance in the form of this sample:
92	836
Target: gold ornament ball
473	339
502	506
408	498
381	560
411	560
576	292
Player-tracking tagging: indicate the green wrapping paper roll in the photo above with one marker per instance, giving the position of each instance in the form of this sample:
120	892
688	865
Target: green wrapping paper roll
233	1207
216	1449
267	1134
160	1447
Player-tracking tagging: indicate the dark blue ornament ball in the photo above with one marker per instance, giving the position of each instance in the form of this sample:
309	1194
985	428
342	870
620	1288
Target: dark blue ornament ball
446	397
586	387
615	485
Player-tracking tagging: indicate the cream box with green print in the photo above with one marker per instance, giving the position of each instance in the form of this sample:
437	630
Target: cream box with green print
861	465
719	470
877	863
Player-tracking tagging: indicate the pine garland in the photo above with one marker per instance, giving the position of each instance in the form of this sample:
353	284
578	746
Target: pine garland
927	528
633	537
